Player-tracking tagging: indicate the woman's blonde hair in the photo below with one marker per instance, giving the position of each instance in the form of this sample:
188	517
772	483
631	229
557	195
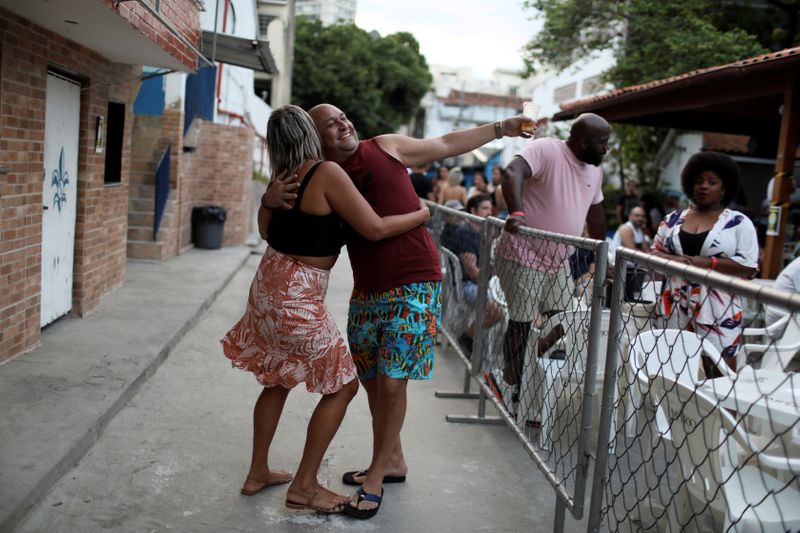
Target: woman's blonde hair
455	177
292	139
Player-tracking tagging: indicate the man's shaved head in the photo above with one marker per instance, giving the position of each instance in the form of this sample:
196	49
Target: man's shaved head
588	138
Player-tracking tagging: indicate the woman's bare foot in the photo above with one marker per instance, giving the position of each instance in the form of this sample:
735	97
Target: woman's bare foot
321	499
255	484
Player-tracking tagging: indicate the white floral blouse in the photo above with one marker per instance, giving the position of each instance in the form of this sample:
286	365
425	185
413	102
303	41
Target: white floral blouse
712	313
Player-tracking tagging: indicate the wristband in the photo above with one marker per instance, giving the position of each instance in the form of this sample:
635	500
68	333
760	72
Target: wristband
517	214
264	205
713	263
498	129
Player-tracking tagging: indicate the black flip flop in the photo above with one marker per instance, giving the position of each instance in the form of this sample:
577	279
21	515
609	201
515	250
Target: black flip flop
347	478
363	514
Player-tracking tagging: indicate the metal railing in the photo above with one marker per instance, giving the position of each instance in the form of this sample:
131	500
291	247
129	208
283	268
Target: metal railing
534	353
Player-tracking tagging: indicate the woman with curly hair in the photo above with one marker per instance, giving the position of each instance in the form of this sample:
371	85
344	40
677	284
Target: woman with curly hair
708	235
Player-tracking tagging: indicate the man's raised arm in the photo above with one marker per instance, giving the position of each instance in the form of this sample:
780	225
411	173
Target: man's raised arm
414	152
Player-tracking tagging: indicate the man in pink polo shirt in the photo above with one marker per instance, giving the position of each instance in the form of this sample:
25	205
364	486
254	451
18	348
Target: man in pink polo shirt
555	186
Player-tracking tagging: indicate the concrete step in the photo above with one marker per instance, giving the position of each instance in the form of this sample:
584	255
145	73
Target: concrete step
141	205
140	233
145	219
143	191
145	249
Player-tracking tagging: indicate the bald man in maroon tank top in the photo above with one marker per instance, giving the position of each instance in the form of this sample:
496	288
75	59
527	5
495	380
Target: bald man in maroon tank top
395	306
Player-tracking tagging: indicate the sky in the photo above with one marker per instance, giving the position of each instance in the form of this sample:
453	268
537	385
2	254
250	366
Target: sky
481	34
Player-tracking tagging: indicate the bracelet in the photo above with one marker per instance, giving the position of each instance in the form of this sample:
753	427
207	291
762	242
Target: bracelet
713	263
498	129
517	214
264	204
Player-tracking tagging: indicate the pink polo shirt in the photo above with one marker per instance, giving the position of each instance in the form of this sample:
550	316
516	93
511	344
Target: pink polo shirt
556	198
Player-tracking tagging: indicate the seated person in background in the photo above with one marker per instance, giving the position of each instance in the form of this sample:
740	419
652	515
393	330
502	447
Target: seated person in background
423	185
451	225
581	266
787	280
453	190
708	235
467	248
631	233
479	185
499	207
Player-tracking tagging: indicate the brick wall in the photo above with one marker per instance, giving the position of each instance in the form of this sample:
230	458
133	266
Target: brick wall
26	50
219	172
182	15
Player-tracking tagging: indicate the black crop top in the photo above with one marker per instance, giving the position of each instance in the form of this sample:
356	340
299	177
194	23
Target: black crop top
692	243
291	231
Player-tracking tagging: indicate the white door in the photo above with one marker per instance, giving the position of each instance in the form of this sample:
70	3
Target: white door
59	195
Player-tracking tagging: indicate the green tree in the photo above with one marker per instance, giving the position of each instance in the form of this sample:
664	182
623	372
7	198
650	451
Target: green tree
377	81
654	39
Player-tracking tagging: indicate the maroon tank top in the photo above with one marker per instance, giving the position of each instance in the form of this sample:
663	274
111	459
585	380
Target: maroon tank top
408	258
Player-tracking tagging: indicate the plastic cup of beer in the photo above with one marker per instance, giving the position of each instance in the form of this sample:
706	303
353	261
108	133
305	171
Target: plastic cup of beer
530	110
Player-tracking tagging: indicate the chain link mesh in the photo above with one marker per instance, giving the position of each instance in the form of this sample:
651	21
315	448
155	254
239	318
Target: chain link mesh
536	309
700	425
704	417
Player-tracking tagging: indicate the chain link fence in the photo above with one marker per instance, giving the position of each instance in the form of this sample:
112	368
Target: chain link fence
700	425
524	312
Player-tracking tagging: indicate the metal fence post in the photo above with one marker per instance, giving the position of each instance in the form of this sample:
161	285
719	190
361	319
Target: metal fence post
474	368
587	407
609	388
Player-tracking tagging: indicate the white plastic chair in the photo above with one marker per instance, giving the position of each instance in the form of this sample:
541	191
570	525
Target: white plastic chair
452	292
545	377
779	352
710	444
669	352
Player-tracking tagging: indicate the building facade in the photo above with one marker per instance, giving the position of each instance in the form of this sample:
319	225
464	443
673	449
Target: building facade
327	11
69	78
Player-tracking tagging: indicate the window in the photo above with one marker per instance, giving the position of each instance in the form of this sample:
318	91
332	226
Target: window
565	92
263	24
591	86
115	131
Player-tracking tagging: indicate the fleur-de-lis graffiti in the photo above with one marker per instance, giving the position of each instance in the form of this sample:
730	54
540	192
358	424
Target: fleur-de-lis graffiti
60	180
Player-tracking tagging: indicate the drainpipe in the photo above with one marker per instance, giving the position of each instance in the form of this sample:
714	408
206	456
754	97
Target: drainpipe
219	69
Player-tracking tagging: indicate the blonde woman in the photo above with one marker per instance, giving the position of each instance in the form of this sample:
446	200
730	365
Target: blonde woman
287	334
453	190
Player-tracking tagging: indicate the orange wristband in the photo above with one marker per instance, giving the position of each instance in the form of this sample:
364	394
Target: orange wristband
517	214
713	263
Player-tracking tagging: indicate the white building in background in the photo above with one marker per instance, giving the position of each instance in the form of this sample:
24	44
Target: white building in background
458	100
580	80
327	11
276	25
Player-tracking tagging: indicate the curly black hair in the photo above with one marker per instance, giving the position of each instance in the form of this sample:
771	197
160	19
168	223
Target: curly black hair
721	164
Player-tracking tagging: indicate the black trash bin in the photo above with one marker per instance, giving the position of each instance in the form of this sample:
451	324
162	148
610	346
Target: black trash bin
208	221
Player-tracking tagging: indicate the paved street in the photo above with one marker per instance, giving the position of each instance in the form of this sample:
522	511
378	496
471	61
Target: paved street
175	456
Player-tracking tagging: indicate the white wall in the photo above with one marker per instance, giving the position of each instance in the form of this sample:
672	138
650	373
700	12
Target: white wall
236	83
577	73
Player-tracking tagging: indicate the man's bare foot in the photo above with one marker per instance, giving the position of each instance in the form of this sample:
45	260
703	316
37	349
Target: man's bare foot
394	475
255	484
